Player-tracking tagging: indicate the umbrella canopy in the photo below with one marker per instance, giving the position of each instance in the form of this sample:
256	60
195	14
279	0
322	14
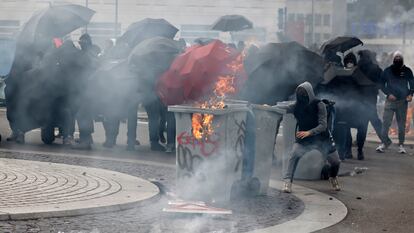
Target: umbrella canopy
340	44
152	57
276	69
231	23
193	74
54	21
147	28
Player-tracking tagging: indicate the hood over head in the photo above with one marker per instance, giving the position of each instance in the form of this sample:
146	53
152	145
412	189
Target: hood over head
307	87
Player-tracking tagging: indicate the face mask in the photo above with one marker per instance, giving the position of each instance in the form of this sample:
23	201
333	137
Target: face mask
350	65
398	63
302	99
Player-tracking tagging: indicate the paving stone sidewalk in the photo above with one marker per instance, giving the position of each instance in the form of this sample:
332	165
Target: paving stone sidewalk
248	215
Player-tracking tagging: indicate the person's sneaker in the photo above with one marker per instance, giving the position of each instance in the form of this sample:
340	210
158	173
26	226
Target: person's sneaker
157	147
130	147
334	183
108	144
170	149
12	137
402	150
67	141
20	138
381	148
162	138
287	187
82	146
361	155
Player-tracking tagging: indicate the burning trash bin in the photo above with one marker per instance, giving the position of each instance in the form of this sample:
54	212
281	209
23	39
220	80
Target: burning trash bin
209	150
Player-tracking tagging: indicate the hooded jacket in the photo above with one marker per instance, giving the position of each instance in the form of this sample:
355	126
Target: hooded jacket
313	117
398	82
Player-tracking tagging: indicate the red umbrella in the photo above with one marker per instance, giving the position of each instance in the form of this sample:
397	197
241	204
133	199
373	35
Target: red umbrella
192	75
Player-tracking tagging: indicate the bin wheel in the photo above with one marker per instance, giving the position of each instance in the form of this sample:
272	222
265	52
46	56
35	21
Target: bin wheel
48	135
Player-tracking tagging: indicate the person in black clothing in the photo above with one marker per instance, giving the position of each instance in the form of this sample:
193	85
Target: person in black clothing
398	86
369	67
312	119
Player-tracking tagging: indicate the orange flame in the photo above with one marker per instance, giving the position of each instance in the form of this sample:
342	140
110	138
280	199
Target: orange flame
202	124
408	130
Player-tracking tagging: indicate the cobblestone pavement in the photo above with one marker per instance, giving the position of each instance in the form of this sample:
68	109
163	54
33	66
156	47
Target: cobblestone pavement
247	214
32	189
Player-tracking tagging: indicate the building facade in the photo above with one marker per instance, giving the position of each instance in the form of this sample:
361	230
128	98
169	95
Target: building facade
315	21
192	17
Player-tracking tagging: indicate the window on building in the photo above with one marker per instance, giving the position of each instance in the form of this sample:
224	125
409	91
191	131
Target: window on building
309	19
318	19
317	37
326	20
300	18
190	32
291	17
308	38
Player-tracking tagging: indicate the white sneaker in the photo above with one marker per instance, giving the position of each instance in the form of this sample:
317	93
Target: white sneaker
402	150
381	148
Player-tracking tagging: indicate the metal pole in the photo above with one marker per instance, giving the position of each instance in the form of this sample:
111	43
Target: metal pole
404	31
313	23
86	5
116	19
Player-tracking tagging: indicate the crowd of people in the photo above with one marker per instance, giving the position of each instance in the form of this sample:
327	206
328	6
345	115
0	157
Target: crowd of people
73	101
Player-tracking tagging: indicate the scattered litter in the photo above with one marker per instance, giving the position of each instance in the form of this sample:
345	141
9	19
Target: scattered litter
193	207
356	171
84	173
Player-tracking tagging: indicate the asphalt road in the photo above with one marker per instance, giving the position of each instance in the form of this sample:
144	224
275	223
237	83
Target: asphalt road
378	200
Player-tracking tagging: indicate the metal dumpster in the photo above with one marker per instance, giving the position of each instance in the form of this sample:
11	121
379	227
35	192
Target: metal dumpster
208	168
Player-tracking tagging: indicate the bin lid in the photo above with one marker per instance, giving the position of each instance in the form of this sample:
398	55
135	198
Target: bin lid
230	108
269	108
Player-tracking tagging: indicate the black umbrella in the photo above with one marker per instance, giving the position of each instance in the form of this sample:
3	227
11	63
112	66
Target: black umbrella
152	57
54	21
276	69
231	23
148	28
340	44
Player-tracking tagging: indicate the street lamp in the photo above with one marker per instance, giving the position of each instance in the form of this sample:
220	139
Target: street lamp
116	18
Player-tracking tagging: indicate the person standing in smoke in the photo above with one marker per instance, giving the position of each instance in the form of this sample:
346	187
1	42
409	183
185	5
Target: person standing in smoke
84	115
312	121
398	86
369	67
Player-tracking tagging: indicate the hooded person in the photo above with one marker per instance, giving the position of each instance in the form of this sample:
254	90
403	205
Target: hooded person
398	86
312	133
350	60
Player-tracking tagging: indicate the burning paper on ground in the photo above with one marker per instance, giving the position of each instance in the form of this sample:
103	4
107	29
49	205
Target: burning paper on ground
194	207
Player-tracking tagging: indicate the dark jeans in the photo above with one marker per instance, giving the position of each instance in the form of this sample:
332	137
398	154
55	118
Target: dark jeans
154	115
85	123
398	107
111	126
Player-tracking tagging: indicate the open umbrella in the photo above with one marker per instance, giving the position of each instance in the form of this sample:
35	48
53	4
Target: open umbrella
231	23
147	28
152	57
54	21
276	69
340	44
192	75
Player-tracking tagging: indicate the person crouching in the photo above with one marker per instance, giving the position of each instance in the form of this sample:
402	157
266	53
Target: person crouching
312	124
